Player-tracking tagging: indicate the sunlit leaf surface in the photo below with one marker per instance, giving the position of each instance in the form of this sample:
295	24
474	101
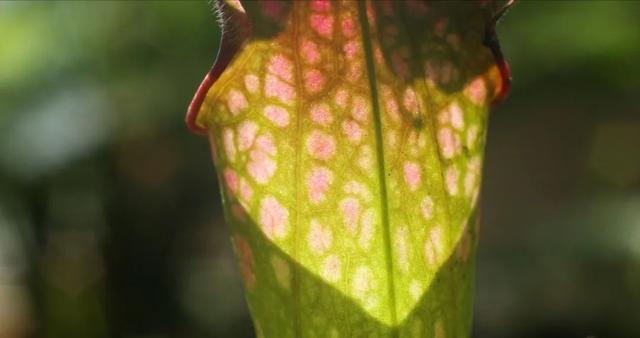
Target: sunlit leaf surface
349	138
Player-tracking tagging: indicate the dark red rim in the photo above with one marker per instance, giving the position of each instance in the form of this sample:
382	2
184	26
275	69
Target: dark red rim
491	41
225	53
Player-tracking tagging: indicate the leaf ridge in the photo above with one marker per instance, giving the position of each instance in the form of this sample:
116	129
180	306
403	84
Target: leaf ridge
295	276
371	74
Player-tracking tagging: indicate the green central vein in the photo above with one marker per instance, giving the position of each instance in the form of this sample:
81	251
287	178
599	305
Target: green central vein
295	278
368	51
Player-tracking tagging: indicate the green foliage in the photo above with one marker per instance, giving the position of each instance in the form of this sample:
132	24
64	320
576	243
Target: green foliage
349	139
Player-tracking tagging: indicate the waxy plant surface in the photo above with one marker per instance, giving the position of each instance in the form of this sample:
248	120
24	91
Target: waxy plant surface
349	137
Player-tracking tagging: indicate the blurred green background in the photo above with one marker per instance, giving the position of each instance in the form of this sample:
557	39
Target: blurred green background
110	216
